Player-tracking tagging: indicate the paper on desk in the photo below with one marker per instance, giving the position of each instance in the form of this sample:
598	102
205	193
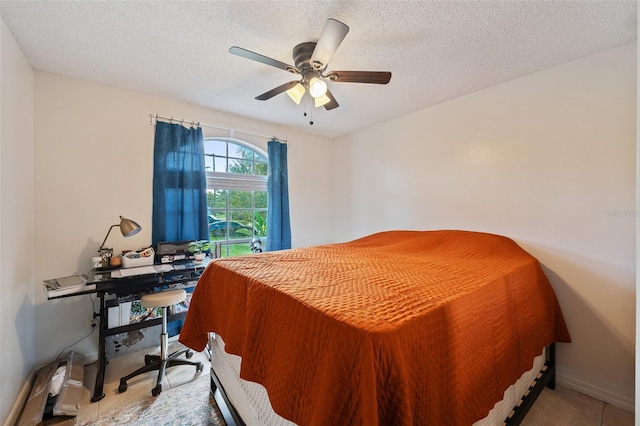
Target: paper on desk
141	270
71	281
68	291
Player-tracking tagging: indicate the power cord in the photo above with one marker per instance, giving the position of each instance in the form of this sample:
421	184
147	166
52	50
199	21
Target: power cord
77	341
96	316
93	328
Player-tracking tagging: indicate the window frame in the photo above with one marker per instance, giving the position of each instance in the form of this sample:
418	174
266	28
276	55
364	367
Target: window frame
226	181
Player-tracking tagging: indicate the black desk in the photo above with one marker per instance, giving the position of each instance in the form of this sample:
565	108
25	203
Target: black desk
101	283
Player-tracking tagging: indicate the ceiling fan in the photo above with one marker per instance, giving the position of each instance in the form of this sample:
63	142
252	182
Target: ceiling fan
311	60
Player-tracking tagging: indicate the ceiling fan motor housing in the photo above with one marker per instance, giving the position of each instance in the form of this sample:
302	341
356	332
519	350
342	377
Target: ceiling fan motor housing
302	55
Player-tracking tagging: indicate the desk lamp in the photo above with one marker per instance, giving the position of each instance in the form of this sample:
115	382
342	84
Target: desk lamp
128	228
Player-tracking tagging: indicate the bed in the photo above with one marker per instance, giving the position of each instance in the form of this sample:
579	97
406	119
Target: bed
399	327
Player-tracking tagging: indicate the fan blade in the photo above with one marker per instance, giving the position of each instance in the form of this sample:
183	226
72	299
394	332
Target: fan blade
332	103
271	93
261	58
375	77
332	35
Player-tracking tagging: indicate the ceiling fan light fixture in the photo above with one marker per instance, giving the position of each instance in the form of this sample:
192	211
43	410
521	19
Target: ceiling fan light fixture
296	93
321	101
317	87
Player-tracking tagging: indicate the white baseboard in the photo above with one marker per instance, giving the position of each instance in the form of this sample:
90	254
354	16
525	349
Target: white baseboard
620	401
21	399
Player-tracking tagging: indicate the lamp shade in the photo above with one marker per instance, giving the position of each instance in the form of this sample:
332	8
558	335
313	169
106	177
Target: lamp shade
128	227
296	93
321	101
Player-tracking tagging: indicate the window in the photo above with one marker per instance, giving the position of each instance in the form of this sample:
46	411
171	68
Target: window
236	194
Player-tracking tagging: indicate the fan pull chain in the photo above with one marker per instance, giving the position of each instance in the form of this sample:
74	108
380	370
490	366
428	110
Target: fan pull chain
310	113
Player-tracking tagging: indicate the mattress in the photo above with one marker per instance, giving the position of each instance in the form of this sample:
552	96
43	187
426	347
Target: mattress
399	327
251	400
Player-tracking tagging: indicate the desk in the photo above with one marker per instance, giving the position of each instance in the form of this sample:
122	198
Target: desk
101	283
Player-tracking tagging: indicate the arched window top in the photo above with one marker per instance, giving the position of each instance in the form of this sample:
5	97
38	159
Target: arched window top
228	155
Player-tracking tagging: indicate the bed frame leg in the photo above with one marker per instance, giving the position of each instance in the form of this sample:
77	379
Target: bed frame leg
551	358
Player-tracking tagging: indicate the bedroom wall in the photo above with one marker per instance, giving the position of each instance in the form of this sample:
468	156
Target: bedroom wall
548	160
637	404
93	162
17	345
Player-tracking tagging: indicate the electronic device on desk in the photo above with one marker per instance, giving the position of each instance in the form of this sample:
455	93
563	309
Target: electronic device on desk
169	252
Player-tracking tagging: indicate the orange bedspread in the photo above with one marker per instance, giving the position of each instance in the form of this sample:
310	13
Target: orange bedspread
397	328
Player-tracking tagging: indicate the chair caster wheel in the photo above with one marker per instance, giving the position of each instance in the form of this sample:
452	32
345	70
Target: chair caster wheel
147	359
123	387
188	354
156	391
199	367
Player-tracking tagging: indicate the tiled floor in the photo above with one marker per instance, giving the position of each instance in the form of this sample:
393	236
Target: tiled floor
565	407
138	387
559	407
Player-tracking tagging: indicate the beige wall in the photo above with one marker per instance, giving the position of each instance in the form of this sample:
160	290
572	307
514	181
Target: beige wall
17	350
637	358
548	160
94	161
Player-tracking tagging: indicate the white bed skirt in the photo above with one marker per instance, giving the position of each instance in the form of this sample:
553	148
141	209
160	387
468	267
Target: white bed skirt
252	402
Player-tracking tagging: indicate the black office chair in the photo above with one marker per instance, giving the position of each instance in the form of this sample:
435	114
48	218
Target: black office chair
161	299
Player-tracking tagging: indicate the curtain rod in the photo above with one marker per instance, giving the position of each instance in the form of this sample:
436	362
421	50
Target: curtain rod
194	123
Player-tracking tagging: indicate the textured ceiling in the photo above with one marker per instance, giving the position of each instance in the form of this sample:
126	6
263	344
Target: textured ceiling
436	50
